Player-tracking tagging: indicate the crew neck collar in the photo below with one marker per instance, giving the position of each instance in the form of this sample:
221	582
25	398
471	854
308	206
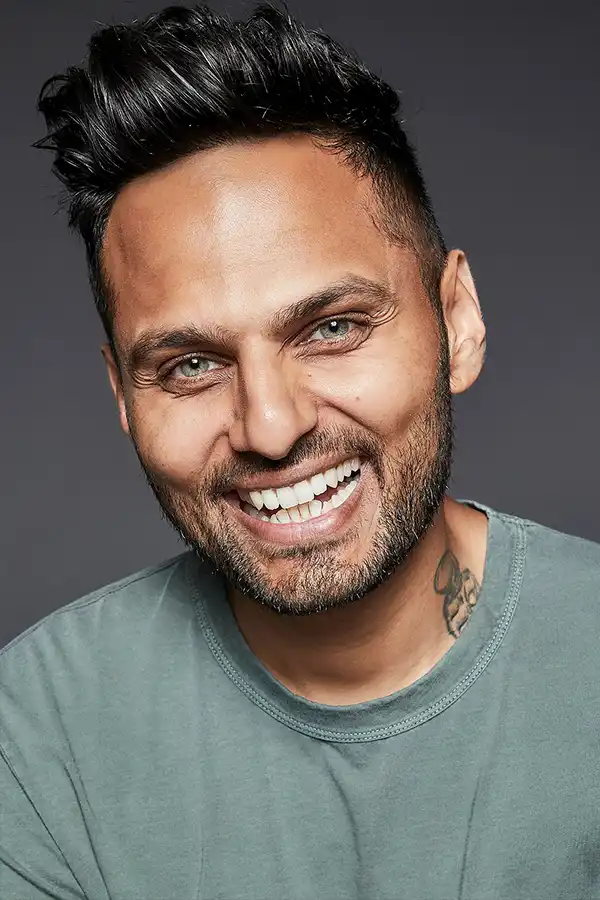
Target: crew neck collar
375	719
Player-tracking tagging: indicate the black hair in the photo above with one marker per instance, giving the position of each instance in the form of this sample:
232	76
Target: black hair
187	79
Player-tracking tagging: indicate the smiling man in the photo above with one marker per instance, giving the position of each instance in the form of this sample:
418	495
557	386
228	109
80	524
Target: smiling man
351	686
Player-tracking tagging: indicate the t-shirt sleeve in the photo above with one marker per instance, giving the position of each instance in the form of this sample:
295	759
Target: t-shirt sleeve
32	866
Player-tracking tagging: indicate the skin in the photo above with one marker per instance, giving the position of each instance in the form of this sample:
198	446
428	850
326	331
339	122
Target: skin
224	241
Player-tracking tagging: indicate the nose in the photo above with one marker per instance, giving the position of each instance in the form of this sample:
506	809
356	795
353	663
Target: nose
273	408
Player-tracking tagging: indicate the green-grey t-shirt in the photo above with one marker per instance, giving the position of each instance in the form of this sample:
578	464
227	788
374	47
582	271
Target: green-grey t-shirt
146	754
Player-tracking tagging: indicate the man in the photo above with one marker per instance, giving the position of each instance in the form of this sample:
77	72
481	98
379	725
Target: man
351	686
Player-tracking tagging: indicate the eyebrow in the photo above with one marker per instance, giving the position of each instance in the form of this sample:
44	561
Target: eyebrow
157	340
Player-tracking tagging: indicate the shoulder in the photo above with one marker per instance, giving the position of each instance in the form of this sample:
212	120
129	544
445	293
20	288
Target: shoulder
145	586
95	640
559	591
107	649
556	559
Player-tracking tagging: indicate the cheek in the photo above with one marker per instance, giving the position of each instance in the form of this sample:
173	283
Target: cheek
381	388
175	437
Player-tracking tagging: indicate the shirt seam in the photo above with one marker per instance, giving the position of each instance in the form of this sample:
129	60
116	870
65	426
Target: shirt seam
410	722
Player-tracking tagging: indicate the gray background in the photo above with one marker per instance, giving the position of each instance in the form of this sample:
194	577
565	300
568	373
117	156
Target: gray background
502	101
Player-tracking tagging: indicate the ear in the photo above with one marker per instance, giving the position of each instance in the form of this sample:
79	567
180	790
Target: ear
462	313
114	377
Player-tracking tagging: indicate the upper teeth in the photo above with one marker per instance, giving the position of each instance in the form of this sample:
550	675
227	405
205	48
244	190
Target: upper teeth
303	491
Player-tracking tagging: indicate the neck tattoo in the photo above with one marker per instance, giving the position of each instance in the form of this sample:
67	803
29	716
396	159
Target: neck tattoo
460	590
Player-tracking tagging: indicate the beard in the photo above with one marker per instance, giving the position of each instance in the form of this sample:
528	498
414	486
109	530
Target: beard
412	484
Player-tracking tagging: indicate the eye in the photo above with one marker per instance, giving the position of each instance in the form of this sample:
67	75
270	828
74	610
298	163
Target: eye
193	366
332	330
192	374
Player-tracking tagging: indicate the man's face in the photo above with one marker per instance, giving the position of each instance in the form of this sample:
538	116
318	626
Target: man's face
283	376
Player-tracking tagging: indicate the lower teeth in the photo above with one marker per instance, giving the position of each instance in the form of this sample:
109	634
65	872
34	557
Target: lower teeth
305	511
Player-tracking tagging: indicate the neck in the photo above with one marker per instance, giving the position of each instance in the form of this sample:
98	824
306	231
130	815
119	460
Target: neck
390	638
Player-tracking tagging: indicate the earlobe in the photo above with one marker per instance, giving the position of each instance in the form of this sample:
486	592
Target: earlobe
114	377
466	329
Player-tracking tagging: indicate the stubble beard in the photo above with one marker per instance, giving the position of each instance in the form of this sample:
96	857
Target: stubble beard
412	485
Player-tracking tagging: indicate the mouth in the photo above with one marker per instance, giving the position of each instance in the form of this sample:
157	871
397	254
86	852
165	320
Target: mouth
316	506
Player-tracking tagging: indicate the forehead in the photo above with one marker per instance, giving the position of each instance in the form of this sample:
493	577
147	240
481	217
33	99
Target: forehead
233	233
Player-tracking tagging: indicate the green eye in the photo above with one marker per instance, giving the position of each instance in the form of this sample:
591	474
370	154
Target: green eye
334	329
194	366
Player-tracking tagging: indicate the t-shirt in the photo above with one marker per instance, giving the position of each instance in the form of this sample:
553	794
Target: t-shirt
147	754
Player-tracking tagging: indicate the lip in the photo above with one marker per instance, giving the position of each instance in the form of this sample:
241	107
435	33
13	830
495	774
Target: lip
313	529
292	476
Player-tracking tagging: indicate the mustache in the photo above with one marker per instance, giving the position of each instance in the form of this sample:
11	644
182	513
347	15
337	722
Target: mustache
345	442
